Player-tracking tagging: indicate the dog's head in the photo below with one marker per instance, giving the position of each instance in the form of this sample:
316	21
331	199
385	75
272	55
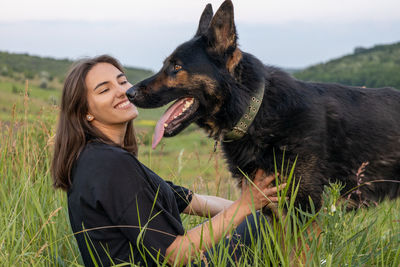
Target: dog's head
195	75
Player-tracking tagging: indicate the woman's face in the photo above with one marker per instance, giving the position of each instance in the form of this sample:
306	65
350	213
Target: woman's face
108	104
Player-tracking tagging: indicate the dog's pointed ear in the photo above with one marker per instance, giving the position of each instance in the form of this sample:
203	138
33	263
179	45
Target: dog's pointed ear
205	20
221	34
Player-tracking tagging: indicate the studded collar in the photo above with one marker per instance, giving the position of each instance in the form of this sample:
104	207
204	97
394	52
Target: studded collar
240	129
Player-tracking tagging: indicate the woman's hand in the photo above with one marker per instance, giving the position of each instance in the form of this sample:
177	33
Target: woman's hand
203	236
259	193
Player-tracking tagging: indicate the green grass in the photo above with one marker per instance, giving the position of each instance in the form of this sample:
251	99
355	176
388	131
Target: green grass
12	100
35	225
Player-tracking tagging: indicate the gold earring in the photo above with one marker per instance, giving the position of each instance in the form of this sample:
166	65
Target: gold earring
89	117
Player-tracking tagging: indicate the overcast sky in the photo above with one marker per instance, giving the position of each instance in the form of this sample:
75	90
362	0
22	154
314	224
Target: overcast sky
286	33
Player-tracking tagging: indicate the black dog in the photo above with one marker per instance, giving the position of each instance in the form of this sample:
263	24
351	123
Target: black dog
258	112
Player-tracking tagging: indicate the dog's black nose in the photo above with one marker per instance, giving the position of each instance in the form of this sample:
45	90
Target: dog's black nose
131	93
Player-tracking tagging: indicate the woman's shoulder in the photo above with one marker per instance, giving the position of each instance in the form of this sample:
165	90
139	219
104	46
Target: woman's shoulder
100	147
100	151
101	157
102	164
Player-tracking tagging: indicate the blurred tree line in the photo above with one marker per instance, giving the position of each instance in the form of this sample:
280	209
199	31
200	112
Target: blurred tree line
371	67
45	69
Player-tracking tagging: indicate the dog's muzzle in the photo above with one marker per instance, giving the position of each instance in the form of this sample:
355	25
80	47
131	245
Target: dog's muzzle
132	92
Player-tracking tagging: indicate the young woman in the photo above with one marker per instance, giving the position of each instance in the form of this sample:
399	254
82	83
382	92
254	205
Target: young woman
119	209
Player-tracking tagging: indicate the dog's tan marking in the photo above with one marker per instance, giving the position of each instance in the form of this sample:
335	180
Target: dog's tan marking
158	82
211	89
217	108
210	85
211	124
234	61
180	80
184	80
213	129
193	82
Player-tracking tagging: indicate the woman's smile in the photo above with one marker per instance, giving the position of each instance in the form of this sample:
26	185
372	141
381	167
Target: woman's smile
125	104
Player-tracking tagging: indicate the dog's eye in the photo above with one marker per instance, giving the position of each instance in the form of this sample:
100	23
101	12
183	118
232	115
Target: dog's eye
177	67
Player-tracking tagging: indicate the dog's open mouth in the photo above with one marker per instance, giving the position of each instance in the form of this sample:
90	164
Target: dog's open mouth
176	118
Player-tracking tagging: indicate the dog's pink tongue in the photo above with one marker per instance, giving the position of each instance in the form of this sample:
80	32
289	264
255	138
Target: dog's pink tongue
159	130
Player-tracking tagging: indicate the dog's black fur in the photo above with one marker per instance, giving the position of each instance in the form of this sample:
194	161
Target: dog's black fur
333	129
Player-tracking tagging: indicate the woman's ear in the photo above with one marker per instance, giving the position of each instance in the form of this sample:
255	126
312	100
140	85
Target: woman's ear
89	117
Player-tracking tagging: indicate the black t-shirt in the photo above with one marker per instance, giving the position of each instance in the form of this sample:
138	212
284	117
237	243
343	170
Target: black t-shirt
129	212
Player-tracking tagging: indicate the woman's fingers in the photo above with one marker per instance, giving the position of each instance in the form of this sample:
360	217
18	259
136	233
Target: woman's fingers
243	184
260	174
260	190
273	199
269	179
274	190
257	192
261	179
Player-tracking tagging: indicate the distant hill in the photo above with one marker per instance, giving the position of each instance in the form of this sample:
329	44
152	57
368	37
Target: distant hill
24	66
291	70
378	66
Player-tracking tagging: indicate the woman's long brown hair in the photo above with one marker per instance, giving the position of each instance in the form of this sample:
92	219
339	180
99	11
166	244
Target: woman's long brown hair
74	131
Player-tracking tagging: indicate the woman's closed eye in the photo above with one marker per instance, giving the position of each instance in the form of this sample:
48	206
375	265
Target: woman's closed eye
104	90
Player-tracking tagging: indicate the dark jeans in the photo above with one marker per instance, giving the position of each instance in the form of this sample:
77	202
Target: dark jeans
241	238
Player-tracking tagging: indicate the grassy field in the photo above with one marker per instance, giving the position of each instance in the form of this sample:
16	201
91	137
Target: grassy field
35	225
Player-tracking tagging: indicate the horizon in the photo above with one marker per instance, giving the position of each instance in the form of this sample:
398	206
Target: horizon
148	69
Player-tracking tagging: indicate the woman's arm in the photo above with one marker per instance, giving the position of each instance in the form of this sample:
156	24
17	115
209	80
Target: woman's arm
213	230
206	206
